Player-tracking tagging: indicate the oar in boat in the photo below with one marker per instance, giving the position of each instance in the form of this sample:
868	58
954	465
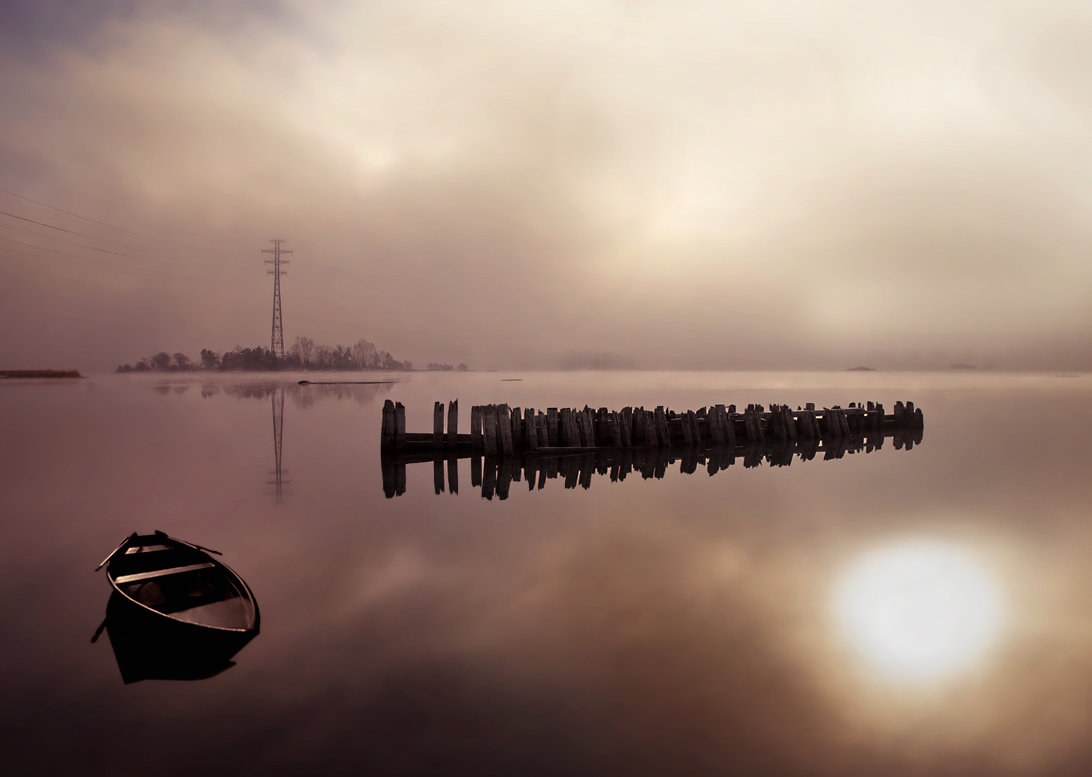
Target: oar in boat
115	550
98	631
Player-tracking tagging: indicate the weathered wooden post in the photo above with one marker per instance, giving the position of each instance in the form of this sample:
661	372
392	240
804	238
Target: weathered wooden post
504	429
753	422
437	424
773	423
516	428
552	432
834	426
399	424
489	429
852	420
562	437
642	433
453	423
801	422
587	427
687	429
615	430
476	428
386	433
716	425
789	422
702	432
659	424
530	433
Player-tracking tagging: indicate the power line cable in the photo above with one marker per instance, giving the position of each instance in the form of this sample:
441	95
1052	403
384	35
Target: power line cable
90	237
95	221
70	242
70	231
84	260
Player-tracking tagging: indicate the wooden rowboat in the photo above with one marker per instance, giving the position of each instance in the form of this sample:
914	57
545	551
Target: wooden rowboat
175	587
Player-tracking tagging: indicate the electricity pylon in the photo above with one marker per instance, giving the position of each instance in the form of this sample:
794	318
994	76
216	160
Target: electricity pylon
276	339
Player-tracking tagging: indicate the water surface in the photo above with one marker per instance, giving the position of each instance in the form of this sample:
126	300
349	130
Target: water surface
897	612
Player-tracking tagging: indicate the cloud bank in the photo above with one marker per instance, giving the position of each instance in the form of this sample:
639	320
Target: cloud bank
723	185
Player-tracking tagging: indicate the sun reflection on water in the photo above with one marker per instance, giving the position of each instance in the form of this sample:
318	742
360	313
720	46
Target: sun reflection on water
918	610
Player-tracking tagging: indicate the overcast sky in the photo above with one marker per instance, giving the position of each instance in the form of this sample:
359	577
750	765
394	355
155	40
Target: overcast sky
688	184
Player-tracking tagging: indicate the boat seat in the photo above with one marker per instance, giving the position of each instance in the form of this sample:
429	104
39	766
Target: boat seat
145	549
161	572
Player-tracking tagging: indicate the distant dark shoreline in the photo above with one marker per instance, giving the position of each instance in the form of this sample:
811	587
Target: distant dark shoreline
40	374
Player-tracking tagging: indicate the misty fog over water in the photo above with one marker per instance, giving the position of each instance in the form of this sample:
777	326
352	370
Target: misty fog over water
898	612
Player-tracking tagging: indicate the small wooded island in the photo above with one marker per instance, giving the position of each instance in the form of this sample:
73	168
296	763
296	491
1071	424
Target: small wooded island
305	354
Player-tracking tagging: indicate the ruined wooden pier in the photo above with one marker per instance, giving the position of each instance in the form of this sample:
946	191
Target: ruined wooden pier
506	444
497	430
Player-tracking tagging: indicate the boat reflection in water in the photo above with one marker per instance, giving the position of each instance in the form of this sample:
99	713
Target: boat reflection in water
175	612
148	650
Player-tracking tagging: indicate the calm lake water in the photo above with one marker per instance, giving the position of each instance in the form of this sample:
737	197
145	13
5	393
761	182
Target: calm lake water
896	612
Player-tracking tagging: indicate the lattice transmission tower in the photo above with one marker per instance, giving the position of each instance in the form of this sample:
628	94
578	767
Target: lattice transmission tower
276	339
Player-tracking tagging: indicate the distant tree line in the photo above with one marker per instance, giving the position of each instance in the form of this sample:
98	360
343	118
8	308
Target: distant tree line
445	367
305	354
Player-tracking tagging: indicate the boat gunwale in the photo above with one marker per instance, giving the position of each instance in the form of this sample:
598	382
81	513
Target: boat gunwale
236	579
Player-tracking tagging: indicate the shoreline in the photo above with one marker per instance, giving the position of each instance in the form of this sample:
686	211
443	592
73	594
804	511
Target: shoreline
40	374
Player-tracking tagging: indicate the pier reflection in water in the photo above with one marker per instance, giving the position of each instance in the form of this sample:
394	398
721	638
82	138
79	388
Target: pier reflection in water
495	474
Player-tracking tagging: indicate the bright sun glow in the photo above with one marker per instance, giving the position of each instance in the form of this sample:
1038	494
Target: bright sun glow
918	610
